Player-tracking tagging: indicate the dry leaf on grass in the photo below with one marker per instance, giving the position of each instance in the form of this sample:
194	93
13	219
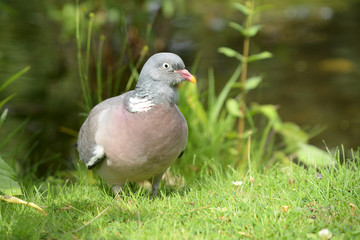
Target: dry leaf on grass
285	209
16	200
246	234
353	206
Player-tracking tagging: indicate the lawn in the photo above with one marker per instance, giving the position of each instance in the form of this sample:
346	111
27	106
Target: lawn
198	199
284	202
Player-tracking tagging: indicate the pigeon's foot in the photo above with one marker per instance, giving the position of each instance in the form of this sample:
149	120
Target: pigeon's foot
155	185
117	190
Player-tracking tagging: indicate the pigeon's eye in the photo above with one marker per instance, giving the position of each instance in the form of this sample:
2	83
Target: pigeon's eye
166	65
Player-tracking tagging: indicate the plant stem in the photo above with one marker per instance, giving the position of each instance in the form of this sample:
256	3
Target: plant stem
83	69
134	69
99	68
246	47
88	44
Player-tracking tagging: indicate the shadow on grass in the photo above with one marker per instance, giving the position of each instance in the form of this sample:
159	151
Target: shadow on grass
144	190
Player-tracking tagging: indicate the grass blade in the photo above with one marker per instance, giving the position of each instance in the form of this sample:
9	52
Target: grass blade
14	77
98	69
224	94
6	100
12	134
211	87
134	69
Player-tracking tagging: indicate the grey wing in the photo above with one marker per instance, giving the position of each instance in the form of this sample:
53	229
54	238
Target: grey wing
90	152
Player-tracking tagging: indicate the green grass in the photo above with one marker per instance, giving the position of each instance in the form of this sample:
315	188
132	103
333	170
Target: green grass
208	207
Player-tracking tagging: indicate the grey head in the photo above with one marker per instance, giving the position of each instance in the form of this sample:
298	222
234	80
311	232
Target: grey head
160	75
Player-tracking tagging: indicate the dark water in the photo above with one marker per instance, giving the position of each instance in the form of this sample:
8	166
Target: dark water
314	75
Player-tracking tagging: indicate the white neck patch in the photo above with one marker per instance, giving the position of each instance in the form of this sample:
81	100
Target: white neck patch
140	104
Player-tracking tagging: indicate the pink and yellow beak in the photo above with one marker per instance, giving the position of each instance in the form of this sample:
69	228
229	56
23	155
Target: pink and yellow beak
186	75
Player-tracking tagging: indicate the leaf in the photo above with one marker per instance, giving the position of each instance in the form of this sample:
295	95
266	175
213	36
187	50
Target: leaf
230	53
233	107
252	83
259	56
292	134
253	30
268	111
16	200
313	156
242	8
239	28
13	78
8	185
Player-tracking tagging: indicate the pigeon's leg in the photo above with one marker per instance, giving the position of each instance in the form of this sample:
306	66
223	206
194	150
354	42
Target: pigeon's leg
117	189
155	185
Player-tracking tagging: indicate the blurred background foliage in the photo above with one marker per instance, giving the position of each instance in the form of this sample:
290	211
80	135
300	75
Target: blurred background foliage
313	76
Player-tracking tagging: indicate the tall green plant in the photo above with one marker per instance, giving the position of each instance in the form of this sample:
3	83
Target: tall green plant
294	139
264	140
8	183
247	31
211	132
94	88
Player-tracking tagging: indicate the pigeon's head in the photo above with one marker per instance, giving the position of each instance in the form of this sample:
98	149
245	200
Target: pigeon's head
165	68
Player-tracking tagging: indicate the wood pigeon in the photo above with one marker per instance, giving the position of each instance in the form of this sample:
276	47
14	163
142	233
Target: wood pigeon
137	135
